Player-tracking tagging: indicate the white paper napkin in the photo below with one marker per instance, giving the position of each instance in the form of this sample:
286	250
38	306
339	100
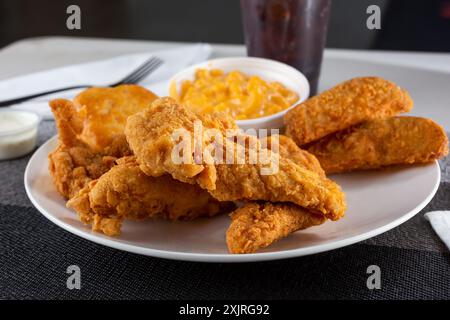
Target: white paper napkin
100	73
440	221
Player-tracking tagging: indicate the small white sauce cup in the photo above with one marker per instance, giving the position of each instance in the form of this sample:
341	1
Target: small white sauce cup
21	140
268	70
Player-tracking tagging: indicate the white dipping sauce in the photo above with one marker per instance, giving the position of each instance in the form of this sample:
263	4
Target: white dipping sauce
18	131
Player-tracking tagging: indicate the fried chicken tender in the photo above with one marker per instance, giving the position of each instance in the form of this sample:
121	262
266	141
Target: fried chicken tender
150	135
257	225
380	143
90	132
73	164
349	103
72	168
103	112
289	149
125	192
292	183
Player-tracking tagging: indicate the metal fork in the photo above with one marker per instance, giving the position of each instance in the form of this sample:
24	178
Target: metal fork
134	77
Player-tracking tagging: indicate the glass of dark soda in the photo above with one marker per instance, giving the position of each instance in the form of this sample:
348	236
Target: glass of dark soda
290	31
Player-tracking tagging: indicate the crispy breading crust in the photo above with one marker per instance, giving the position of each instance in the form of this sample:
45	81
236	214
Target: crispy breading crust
72	168
149	134
289	149
103	112
292	183
73	164
379	143
255	225
90	132
68	123
347	104
125	192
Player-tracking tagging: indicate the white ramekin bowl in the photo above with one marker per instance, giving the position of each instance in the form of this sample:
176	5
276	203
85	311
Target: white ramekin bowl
21	139
268	70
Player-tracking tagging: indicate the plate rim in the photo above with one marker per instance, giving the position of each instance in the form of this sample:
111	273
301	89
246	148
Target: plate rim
220	257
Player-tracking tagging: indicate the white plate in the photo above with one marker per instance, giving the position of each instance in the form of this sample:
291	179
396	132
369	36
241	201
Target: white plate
377	202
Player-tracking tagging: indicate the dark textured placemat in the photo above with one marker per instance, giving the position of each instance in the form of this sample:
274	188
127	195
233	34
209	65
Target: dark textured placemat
34	255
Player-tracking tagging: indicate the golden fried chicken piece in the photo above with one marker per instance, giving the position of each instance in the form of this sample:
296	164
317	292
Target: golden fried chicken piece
292	183
257	225
289	149
150	135
72	168
103	112
347	104
90	131
379	143
73	164
125	192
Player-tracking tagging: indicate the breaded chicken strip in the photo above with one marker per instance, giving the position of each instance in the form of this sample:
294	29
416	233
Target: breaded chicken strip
347	104
103	112
73	163
379	143
125	192
292	183
257	225
289	149
72	168
150	135
153	137
90	131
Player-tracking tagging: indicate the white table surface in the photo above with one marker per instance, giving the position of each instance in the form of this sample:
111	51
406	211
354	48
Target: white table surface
36	54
